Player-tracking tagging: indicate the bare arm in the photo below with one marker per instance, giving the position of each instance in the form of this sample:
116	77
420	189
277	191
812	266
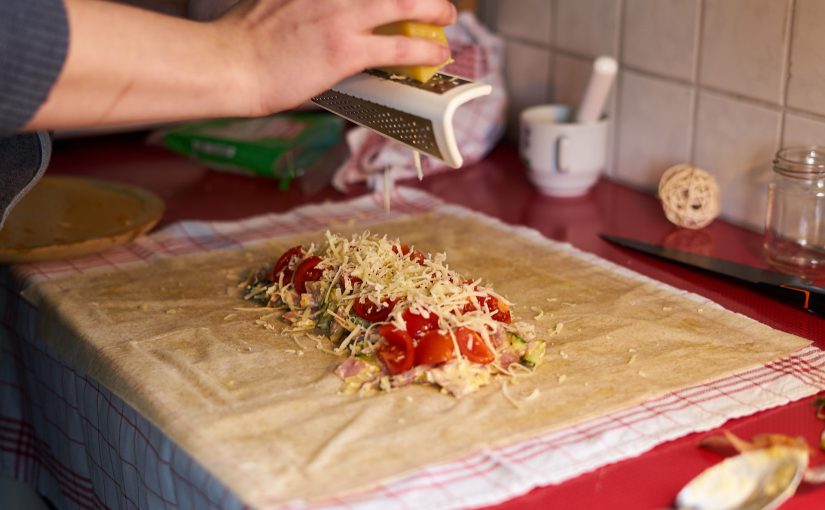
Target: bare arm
127	65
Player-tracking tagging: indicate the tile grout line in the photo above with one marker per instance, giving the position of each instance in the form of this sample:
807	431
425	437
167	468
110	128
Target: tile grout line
786	68
617	89
695	82
551	78
551	85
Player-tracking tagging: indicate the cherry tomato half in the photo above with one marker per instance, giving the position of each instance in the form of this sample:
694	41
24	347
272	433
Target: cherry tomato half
372	312
501	312
417	325
284	262
404	250
472	346
353	281
398	353
307	272
433	348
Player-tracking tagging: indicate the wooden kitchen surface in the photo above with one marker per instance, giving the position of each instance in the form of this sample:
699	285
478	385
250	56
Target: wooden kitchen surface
498	187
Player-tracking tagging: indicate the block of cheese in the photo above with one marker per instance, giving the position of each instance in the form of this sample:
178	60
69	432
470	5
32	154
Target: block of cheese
420	30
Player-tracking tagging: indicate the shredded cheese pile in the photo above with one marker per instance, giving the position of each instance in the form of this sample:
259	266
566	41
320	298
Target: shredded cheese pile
426	285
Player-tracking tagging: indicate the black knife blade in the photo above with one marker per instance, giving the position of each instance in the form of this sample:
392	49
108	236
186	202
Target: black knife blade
794	290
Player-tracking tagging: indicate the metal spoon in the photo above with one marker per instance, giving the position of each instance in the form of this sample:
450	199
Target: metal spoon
759	479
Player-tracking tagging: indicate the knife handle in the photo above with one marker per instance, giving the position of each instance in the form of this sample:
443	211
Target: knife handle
808	298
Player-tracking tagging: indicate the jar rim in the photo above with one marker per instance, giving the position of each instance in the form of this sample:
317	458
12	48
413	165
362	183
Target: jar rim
801	161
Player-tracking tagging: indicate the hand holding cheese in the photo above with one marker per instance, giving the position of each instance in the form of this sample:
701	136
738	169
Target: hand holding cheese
311	45
128	65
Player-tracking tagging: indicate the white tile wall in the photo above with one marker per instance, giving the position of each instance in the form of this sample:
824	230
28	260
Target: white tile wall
585	27
531	21
743	47
653	128
803	130
718	83
735	141
806	86
661	36
527	75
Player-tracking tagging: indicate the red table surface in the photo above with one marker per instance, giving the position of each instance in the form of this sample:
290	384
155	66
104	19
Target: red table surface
499	187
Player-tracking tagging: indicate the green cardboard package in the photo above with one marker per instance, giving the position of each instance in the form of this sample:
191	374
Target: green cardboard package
281	147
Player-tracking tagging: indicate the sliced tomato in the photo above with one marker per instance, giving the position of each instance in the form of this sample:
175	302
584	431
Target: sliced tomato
283	263
417	325
472	346
470	306
401	249
372	312
404	250
398	353
307	271
500	309
501	312
472	302
433	348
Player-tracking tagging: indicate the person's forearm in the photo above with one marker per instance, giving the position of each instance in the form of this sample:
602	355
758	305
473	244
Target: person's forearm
126	65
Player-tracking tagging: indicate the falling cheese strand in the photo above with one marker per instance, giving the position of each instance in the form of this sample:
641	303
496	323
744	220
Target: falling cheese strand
388	181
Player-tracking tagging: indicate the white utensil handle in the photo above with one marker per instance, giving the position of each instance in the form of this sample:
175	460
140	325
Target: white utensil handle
598	88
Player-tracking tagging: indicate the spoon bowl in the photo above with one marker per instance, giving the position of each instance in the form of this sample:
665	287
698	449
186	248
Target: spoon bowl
759	479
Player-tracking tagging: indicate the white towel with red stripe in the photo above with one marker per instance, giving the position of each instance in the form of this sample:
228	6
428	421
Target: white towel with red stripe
486	477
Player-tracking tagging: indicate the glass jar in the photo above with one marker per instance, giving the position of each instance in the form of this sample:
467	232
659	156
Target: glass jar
795	219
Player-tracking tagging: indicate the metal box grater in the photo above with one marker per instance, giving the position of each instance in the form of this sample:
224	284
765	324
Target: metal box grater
418	115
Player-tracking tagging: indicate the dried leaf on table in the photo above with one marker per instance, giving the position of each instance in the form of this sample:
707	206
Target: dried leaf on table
730	443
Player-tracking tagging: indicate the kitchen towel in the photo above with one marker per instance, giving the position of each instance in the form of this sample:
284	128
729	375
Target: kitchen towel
164	334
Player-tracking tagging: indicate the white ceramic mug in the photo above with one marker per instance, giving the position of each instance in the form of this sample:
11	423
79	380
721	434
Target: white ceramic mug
563	159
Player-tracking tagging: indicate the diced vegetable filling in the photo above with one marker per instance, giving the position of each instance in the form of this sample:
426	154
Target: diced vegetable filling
398	316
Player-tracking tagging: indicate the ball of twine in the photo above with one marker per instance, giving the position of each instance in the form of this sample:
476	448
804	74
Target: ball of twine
689	195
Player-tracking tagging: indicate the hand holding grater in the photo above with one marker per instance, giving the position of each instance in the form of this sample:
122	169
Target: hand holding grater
418	115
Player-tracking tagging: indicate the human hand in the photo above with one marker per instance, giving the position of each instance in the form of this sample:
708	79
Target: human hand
133	66
287	51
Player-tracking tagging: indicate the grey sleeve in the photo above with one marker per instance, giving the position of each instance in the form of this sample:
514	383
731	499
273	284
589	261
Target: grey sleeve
34	38
23	159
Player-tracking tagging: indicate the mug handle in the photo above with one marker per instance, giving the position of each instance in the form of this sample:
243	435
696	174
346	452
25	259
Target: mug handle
562	145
